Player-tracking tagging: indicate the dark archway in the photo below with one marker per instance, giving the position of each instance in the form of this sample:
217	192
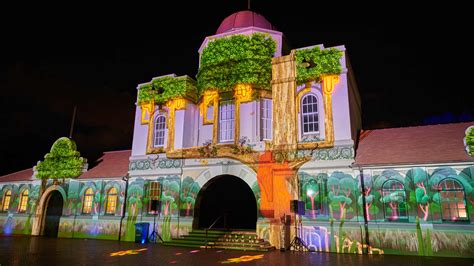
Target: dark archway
53	212
227	196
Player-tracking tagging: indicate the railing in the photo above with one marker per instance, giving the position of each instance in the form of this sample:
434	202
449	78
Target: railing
209	228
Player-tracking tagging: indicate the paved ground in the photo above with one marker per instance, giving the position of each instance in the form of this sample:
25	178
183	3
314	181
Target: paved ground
50	251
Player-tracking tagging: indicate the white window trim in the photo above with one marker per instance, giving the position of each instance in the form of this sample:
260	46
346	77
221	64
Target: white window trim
264	131
231	121
155	132
317	113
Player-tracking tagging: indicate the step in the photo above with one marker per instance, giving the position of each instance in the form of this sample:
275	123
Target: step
182	245
245	248
235	239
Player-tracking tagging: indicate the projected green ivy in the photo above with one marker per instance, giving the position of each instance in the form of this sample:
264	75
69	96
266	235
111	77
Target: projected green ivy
63	161
238	59
163	89
469	140
312	64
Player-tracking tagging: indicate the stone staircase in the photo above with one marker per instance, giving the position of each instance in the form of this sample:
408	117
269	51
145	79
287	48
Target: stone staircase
237	240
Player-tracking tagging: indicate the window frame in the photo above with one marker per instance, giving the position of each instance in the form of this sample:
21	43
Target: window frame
151	188
7	193
399	218
227	107
303	114
453	190
23	204
85	197
266	133
108	201
156	131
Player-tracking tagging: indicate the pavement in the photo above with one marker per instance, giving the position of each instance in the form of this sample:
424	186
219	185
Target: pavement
27	250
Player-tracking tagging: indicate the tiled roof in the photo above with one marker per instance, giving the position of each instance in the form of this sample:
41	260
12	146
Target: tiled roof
414	145
111	164
24	175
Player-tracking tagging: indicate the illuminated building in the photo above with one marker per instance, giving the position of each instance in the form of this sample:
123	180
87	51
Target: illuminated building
261	126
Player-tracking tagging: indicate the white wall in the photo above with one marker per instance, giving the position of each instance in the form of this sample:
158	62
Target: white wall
140	134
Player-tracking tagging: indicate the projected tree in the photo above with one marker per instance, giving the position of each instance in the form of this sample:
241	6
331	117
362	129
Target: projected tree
341	186
423	196
170	193
63	161
189	192
469	140
390	187
369	199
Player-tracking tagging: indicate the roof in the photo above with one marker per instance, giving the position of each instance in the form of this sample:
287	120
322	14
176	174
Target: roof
111	164
23	175
414	145
244	19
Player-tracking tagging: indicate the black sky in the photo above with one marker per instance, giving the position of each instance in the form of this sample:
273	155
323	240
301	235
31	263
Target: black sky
411	64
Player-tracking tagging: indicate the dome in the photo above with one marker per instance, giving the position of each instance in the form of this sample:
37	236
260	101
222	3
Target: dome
244	19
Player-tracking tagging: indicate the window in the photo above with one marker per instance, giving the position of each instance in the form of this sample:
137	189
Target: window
309	114
226	121
266	119
154	194
453	203
87	201
6	200
394	200
23	201
111	201
160	130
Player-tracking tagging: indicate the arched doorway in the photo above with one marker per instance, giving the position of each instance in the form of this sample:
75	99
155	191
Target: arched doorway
52	214
228	197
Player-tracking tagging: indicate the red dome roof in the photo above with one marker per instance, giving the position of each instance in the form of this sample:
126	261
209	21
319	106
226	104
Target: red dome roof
244	19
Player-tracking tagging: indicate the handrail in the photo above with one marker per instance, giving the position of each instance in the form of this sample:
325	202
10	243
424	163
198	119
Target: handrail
209	228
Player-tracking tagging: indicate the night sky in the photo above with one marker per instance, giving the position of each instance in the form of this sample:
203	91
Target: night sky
411	64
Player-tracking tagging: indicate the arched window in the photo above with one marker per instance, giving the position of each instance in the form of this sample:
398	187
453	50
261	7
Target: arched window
309	114
87	201
394	200
6	200
111	201
23	201
453	200
160	130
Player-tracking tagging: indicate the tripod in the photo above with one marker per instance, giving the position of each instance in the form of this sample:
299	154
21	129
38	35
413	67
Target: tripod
155	234
297	243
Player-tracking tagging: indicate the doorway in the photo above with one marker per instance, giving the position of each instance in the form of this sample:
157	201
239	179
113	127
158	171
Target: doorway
230	201
53	212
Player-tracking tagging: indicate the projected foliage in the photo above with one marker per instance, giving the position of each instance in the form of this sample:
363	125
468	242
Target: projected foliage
237	59
469	140
63	161
163	89
313	63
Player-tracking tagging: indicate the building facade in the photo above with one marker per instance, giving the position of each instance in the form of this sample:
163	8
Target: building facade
259	130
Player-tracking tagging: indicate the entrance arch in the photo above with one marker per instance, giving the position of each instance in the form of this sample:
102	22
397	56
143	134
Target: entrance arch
41	211
52	214
228	197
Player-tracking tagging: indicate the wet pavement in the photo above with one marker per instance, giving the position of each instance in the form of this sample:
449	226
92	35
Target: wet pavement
24	250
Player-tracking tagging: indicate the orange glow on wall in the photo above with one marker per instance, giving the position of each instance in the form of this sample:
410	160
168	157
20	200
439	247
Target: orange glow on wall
272	178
